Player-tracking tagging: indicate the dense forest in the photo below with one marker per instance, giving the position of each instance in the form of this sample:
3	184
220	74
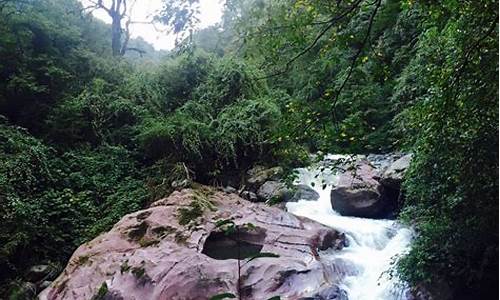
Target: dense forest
90	133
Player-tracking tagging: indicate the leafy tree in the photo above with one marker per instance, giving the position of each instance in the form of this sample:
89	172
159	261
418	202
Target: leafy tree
226	125
379	75
453	129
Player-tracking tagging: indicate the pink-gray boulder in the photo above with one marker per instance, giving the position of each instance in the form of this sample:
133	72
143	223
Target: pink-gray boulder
358	193
174	250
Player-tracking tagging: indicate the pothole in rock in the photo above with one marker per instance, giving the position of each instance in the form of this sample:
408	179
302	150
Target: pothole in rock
246	243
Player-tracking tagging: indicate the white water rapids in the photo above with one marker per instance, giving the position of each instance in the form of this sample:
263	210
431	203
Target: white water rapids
372	244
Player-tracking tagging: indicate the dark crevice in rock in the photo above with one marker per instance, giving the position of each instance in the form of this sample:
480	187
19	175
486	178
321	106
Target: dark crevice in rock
143	215
246	243
138	231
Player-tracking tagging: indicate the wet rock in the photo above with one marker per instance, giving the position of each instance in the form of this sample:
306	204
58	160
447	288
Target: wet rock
304	192
173	261
333	293
393	176
250	196
274	191
331	240
359	194
39	272
258	175
382	161
229	190
364	202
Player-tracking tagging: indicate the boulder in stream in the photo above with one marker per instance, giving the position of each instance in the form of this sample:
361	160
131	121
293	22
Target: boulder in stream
392	177
274	191
175	250
258	175
304	192
358	193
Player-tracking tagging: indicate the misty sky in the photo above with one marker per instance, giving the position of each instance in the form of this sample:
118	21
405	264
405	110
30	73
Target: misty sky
211	13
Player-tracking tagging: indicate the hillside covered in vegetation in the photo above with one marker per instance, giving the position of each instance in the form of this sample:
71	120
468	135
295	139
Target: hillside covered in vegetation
90	133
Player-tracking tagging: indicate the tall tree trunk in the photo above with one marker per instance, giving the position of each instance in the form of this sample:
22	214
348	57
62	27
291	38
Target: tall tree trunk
116	34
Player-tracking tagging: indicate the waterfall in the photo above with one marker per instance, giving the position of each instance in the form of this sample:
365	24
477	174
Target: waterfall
373	245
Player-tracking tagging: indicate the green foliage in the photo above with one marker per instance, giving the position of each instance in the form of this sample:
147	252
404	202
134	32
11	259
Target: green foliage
193	212
177	78
86	138
261	255
124	267
425	82
101	293
452	187
103	134
47	53
229	81
57	202
228	125
99	114
111	178
34	210
223	296
138	272
334	103
201	202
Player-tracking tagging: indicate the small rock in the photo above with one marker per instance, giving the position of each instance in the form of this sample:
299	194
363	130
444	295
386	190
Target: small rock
383	161
181	184
44	284
394	174
274	190
250	196
333	293
304	192
229	190
259	175
39	272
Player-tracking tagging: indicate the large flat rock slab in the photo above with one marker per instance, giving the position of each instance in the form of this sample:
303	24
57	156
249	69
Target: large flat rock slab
167	252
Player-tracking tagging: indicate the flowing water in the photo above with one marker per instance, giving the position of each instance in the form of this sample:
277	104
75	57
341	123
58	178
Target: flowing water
373	245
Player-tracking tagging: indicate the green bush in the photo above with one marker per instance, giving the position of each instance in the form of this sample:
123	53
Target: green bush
41	219
228	81
99	114
50	204
452	185
177	78
228	126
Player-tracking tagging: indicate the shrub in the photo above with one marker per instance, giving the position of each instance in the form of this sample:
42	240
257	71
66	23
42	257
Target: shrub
99	114
50	204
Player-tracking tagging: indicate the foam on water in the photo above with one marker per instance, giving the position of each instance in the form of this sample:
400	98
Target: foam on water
373	244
